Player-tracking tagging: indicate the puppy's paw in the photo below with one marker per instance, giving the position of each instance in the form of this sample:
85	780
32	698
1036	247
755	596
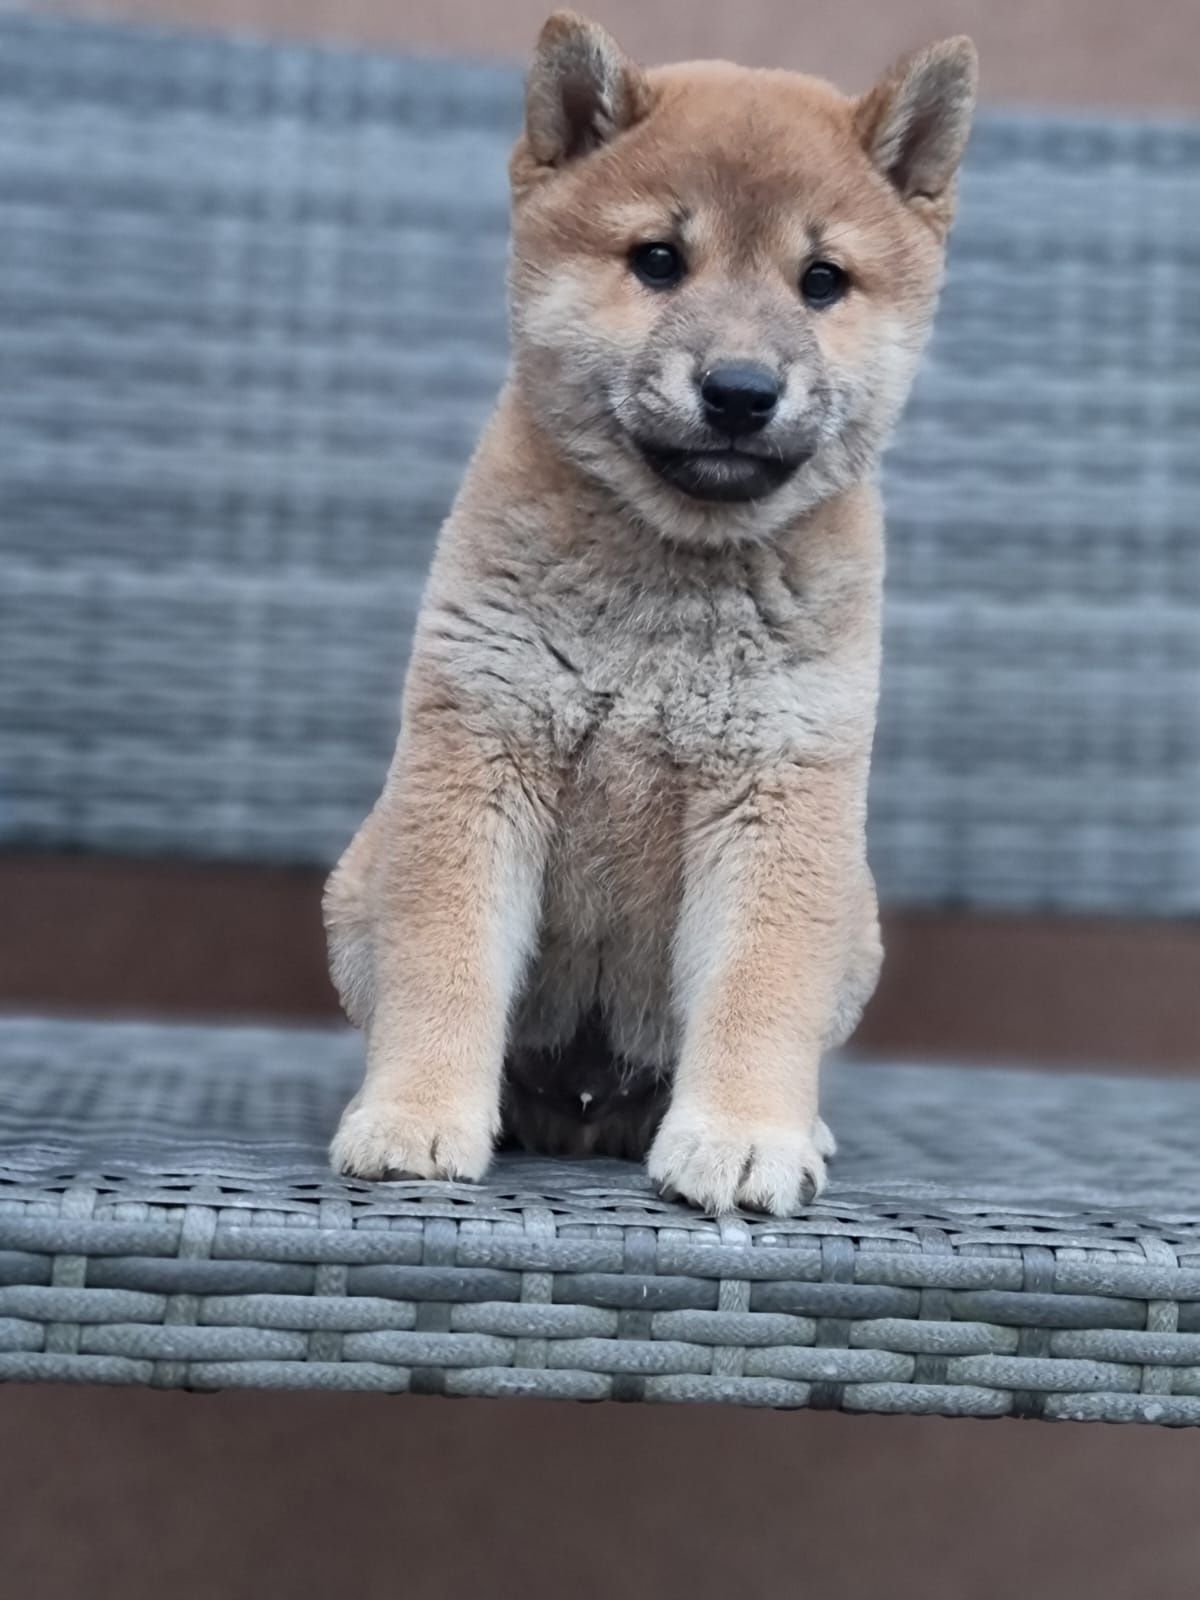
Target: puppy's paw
719	1165
381	1138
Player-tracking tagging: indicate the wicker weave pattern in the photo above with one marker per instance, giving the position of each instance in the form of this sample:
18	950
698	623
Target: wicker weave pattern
227	265
171	1222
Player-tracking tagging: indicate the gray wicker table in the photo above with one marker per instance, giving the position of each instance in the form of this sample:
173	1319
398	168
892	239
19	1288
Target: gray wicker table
994	1244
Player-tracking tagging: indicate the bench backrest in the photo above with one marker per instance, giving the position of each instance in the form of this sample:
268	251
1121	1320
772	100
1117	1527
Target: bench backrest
225	266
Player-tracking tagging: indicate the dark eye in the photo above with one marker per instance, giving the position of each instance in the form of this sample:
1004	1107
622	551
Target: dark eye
823	284
658	265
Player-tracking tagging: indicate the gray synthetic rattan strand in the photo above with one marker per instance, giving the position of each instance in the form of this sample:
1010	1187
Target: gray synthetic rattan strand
993	1244
227	268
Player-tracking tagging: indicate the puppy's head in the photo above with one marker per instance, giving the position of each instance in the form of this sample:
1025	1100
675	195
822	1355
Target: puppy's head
722	278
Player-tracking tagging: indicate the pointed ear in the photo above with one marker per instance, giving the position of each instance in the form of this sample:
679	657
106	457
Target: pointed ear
914	123
581	90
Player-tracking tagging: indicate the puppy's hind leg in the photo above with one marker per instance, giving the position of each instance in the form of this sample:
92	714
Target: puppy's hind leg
349	915
857	987
862	967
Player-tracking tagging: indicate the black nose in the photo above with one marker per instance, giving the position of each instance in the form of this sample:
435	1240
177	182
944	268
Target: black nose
739	396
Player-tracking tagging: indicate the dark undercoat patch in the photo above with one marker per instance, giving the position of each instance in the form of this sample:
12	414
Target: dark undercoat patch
581	1098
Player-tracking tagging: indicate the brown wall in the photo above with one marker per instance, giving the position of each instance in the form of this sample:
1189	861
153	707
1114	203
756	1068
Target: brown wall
120	1495
170	938
1072	52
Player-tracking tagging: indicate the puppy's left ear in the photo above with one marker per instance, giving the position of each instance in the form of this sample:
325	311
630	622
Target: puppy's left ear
914	123
581	91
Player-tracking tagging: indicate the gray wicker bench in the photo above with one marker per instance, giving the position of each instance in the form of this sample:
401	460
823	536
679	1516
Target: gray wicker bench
994	1244
222	265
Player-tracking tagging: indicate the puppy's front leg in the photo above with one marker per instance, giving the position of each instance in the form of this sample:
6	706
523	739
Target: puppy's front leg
761	948
454	902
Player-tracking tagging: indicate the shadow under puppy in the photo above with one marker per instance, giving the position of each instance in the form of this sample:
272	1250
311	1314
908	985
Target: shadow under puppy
614	895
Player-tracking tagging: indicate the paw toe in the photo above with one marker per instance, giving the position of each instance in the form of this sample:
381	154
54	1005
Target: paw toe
823	1139
781	1181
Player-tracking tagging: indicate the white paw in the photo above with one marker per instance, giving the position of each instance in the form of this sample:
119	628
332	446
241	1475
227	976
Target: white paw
381	1138
720	1167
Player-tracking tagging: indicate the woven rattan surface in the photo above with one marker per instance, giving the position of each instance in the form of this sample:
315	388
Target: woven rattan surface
227	267
993	1244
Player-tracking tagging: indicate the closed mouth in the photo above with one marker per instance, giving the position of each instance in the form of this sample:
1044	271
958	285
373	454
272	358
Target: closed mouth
726	475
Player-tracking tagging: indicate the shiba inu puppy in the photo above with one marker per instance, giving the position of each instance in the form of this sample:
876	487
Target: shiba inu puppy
614	896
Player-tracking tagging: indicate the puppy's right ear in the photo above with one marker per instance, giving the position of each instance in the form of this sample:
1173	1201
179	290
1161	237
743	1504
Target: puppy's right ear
581	91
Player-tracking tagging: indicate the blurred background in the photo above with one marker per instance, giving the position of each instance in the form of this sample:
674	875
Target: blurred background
234	236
